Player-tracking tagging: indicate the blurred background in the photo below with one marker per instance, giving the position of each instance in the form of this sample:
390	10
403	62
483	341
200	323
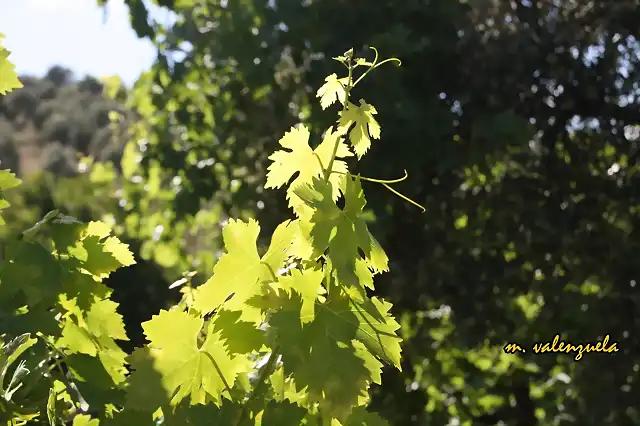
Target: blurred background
518	123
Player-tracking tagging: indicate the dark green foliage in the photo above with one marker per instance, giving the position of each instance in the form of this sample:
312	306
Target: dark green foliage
520	200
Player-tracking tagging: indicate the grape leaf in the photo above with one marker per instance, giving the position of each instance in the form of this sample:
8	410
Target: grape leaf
376	328
240	337
330	338
112	358
85	420
8	180
104	321
365	125
284	388
99	253
80	291
51	407
307	283
278	251
323	355
304	161
332	90
76	339
202	372
90	325
342	231
8	76
240	272
30	269
145	391
94	335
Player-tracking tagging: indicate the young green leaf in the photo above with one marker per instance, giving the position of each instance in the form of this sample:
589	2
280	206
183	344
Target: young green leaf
85	420
240	272
334	89
323	355
365	125
8	76
307	283
307	163
342	231
201	372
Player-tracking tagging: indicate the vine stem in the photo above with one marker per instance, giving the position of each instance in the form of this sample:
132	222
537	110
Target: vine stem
271	271
376	65
350	85
373	65
374	180
386	183
347	91
404	197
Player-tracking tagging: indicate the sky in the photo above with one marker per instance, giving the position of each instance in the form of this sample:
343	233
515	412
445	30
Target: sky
76	34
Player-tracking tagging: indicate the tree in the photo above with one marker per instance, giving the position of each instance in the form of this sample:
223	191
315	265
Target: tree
59	109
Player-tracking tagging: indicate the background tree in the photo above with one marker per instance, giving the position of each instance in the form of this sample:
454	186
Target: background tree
57	114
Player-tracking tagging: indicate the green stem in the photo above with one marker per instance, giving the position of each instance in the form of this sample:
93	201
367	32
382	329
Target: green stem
375	180
404	197
350	85
375	65
219	371
273	274
347	90
385	184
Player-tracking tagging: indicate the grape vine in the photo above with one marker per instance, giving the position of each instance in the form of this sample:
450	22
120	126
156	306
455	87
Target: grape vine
282	336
